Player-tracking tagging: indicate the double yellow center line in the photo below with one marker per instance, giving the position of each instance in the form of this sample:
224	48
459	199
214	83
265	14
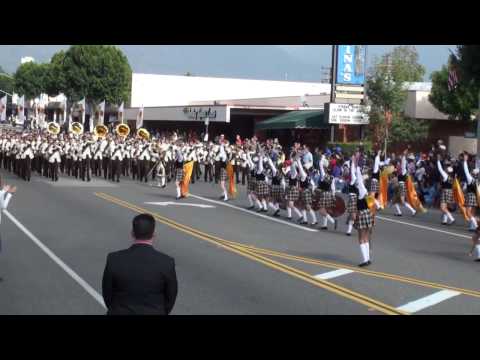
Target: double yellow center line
252	255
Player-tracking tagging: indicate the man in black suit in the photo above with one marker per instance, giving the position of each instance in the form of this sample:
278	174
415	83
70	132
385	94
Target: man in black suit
140	280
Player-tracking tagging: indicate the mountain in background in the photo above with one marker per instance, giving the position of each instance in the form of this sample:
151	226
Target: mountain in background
268	62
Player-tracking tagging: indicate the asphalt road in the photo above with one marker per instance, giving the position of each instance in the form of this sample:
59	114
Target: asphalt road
56	237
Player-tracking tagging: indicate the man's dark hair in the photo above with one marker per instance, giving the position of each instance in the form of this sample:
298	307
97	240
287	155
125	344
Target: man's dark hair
143	226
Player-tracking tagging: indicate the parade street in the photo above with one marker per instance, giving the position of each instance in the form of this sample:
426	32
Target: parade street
229	260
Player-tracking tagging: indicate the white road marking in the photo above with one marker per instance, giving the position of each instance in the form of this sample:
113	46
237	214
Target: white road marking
58	261
424	227
166	203
428	301
333	274
254	213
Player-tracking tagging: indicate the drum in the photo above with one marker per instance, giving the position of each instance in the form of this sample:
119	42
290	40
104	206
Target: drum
339	208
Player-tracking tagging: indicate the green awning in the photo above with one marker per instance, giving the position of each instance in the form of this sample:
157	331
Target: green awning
301	119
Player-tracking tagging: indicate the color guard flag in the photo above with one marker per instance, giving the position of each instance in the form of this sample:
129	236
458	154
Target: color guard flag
21	109
383	193
65	110
3	108
187	174
232	190
459	198
120	113
101	113
140	118
82	109
412	196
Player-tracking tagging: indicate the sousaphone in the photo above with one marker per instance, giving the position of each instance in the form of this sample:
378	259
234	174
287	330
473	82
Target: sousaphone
143	133
53	128
122	130
77	128
100	131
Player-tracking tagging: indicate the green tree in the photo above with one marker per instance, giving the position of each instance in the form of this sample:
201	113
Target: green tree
96	72
55	81
30	79
457	104
469	65
387	96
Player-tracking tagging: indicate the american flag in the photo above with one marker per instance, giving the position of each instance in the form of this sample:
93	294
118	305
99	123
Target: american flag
452	78
452	73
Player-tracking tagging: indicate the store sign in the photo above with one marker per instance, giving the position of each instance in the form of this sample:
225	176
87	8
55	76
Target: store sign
199	113
349	114
351	64
183	113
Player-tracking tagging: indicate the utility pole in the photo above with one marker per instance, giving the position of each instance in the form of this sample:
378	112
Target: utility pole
333	73
478	132
387	112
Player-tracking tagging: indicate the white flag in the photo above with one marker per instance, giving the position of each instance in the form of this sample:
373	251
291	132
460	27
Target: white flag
15	99
82	110
64	110
21	110
70	121
120	113
140	118
101	113
42	109
3	108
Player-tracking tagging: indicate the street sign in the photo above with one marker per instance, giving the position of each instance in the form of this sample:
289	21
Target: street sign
350	114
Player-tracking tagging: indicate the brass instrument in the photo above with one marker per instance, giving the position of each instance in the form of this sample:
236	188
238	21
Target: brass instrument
77	128
143	133
100	131
53	128
122	130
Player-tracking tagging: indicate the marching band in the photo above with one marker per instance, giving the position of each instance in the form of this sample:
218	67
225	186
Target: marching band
275	179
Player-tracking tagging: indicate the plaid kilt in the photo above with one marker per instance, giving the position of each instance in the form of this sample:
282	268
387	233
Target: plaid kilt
292	193
223	174
252	183
306	197
179	174
364	220
447	196
262	189
277	193
326	200
471	200
374	186
402	191
352	203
